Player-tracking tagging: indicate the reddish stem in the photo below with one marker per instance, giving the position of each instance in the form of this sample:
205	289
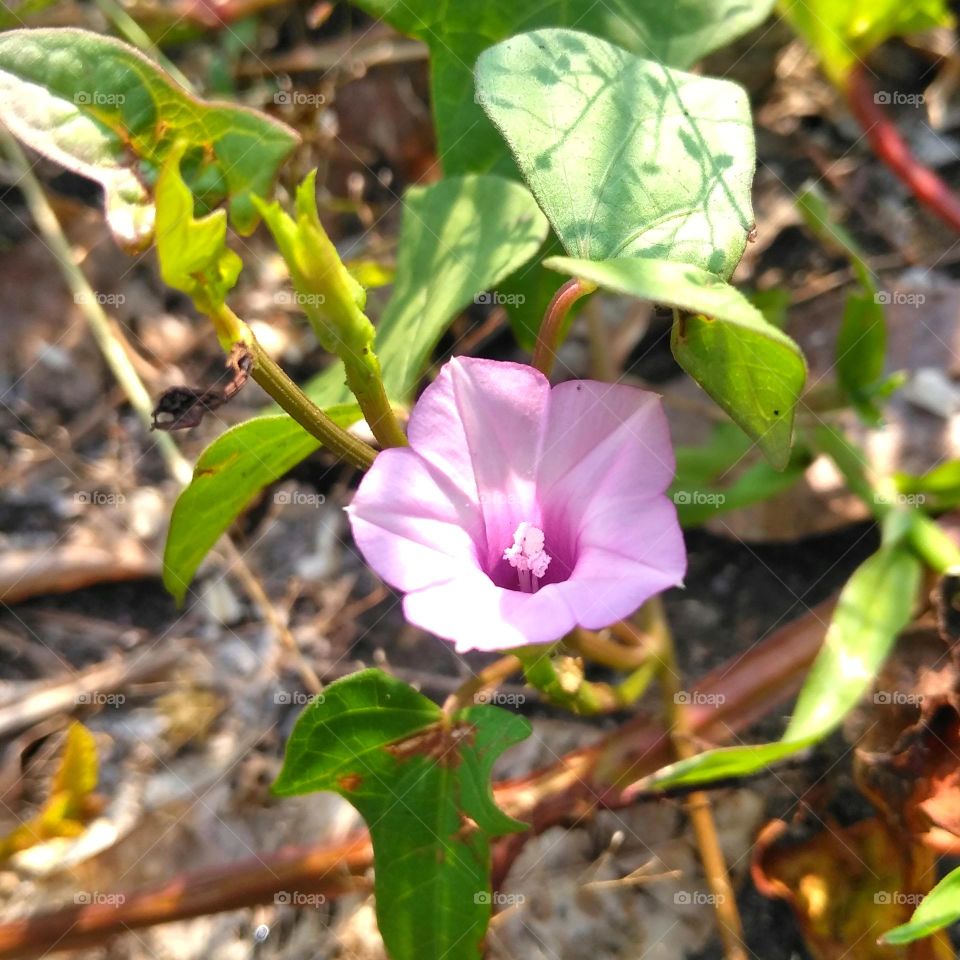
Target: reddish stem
548	337
892	149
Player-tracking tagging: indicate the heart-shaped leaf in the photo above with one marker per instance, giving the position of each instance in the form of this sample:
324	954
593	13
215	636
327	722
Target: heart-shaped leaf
422	783
749	367
625	156
102	109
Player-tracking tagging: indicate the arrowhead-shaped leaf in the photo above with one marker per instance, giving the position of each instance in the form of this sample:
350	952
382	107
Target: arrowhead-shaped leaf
422	784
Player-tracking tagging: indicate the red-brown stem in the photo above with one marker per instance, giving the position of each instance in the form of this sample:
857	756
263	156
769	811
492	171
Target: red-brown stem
327	870
548	337
892	149
565	793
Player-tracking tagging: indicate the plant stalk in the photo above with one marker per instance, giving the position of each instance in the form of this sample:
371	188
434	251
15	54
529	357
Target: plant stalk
548	338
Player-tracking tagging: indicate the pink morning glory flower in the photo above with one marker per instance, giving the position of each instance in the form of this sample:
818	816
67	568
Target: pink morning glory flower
521	510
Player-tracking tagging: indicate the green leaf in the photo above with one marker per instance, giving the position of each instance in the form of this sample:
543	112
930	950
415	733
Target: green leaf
457	33
459	237
845	31
102	109
226	479
625	156
874	606
749	367
861	354
937	489
422	784
938	909
193	254
862	342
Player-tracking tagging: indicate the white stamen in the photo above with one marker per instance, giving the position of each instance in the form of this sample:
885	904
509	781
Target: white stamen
527	556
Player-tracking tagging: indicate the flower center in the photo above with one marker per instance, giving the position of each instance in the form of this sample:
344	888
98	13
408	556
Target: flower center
527	556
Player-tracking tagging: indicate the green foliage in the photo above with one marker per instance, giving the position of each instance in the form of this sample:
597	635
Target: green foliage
421	781
226	479
331	298
457	33
103	110
874	606
862	341
458	237
845	31
938	909
625	156
937	489
193	254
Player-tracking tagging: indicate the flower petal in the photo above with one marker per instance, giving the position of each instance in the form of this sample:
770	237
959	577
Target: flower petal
629	549
602	440
478	615
411	524
480	423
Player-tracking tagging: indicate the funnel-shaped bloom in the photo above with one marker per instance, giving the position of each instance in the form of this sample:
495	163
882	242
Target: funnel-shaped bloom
519	510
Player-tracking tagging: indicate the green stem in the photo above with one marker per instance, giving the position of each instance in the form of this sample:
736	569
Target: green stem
548	338
363	379
289	396
582	698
